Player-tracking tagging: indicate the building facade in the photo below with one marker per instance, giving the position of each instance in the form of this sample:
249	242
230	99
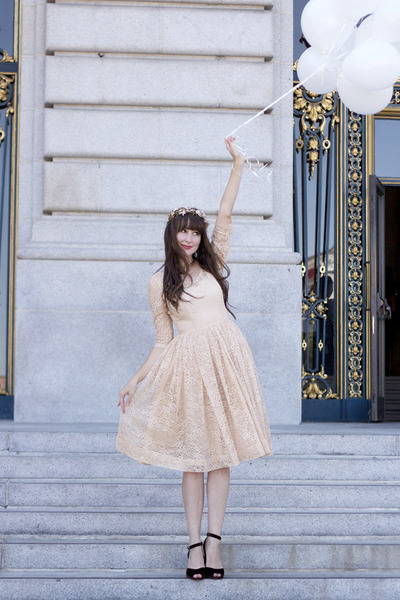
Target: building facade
120	112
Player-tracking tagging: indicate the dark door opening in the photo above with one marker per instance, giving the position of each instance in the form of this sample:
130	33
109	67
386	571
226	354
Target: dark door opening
391	410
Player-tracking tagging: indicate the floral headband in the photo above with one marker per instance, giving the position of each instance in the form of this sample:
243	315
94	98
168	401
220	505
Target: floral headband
183	210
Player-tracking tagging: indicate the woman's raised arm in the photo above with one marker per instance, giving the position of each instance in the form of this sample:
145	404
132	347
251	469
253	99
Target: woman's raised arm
232	188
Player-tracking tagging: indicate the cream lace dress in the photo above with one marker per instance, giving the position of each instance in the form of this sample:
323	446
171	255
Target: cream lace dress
200	407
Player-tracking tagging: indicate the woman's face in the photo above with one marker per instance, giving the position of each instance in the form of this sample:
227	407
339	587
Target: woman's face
189	240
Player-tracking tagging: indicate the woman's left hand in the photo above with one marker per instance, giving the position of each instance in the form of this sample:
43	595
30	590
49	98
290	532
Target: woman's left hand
234	150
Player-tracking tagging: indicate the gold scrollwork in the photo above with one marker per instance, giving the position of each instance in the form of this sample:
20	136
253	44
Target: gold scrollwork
355	255
322	309
5	57
6	98
313	390
396	97
312	154
314	304
5	82
316	385
313	121
313	112
299	144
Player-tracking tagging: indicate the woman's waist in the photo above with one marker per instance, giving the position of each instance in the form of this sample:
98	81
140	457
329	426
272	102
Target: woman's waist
193	325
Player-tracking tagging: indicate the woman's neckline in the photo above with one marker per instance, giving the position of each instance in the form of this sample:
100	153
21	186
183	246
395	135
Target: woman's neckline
195	280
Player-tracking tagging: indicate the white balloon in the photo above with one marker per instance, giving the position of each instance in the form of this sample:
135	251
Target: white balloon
323	27
354	10
362	101
373	65
323	81
335	60
387	21
364	32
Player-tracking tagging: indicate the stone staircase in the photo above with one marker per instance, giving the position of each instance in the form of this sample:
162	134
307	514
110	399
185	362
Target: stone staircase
320	520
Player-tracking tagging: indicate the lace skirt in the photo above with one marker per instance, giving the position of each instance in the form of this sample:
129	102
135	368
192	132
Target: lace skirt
200	407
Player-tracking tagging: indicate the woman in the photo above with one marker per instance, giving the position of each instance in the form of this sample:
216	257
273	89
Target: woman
200	407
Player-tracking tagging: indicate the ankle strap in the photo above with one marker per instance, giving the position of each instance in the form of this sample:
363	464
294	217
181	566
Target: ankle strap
217	537
194	545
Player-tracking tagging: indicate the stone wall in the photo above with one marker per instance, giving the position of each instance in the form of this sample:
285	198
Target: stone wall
124	107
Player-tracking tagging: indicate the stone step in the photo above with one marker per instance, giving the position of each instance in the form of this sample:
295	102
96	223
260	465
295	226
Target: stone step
274	467
171	521
366	444
157	492
159	585
251	553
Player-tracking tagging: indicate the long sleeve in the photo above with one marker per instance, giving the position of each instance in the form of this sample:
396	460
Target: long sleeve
161	319
220	240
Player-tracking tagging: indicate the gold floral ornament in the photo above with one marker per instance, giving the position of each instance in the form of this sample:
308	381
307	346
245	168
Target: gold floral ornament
6	98
355	255
5	82
313	122
5	57
312	154
315	386
314	307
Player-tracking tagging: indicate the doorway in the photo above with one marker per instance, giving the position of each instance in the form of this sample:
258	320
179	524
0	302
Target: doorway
385	300
385	252
392	294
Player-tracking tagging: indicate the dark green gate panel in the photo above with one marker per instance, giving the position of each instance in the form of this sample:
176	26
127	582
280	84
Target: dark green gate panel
329	211
8	169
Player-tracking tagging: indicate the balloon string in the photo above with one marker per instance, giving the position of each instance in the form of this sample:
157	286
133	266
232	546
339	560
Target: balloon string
264	110
337	45
255	168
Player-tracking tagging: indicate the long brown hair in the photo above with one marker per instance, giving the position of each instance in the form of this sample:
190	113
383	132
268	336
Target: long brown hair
176	266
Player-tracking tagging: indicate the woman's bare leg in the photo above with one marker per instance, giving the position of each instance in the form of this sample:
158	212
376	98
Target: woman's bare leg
217	496
193	500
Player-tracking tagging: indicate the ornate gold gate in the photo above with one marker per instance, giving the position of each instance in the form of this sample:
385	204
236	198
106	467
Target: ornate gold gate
331	217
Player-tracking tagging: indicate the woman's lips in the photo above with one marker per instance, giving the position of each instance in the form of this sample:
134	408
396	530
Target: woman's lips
187	247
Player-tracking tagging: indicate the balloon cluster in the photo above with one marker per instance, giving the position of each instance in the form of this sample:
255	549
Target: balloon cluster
354	49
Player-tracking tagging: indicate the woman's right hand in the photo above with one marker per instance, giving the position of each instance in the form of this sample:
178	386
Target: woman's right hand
237	155
126	394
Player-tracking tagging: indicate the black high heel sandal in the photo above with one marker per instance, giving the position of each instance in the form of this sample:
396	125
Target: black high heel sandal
210	572
190	573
